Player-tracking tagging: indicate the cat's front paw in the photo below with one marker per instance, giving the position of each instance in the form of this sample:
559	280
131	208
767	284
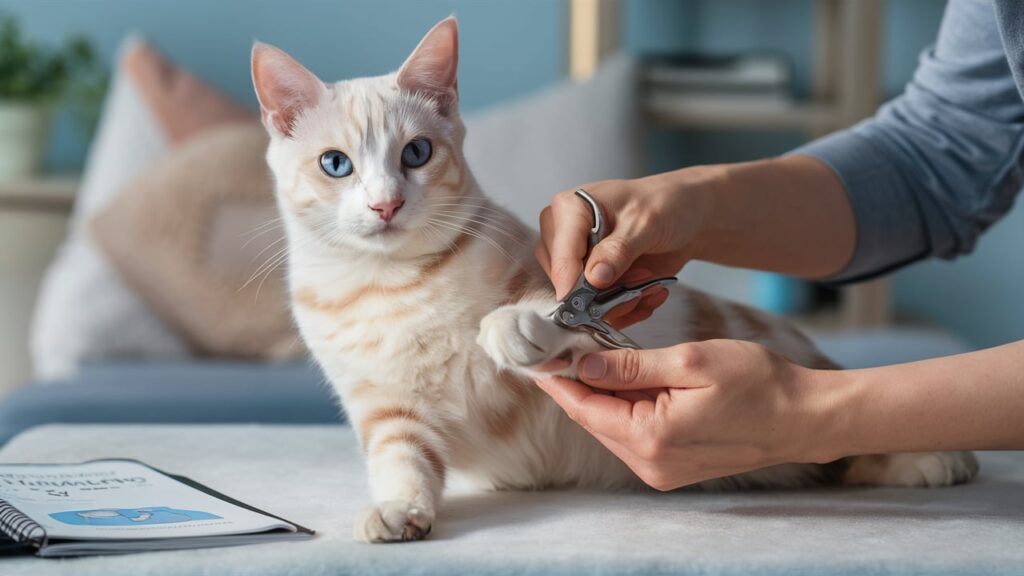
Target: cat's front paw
921	469
518	337
393	521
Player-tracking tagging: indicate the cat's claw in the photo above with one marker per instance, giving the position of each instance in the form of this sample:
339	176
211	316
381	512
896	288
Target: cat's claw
393	521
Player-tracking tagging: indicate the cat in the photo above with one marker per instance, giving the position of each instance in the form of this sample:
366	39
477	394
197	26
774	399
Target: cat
423	303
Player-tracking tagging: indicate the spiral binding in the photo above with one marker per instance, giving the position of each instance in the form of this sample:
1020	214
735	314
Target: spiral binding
19	527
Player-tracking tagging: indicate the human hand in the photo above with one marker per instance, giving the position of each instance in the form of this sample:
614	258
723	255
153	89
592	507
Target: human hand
693	412
652	225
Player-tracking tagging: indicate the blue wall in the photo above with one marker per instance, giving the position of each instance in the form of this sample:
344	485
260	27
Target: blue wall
784	27
781	26
509	47
512	47
978	296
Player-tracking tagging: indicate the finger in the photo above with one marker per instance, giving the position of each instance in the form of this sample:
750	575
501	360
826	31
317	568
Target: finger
614	255
643	310
621	311
546	233
660	264
640	369
554	365
540	253
638	465
647	302
633	276
637	275
595	412
635	396
569	228
620	450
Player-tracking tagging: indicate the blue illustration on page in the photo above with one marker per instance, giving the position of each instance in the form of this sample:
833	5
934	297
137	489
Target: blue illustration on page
130	516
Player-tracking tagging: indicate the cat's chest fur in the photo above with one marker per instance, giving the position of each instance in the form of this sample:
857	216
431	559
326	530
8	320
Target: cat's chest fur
412	325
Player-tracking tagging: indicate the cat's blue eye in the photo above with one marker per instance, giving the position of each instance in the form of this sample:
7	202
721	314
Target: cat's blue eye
335	164
416	153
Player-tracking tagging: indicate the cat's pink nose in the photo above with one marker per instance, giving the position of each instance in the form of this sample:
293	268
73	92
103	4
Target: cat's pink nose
387	210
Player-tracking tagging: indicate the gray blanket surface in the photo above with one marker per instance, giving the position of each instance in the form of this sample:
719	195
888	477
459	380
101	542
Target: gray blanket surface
313	475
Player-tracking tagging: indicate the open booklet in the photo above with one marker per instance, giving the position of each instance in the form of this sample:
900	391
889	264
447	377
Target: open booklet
120	506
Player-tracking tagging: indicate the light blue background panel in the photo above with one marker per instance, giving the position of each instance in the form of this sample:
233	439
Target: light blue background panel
513	47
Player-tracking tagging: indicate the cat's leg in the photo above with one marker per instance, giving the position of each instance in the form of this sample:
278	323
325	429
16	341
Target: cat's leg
406	464
521	337
923	469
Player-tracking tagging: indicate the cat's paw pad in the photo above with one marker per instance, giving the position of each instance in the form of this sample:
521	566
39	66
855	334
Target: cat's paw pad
920	469
521	338
393	521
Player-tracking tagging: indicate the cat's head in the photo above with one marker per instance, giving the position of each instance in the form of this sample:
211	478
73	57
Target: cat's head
370	164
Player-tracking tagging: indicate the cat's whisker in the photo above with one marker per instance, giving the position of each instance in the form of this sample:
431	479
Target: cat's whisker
483	221
451	246
280	258
266	248
270	263
481	210
267	274
273	221
255	233
259	269
475	234
483	206
459	200
498	219
469	208
258	234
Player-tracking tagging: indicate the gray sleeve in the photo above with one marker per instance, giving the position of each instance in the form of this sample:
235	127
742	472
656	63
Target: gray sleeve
939	164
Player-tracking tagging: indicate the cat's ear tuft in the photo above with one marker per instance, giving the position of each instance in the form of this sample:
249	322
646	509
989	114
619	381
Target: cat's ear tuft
432	68
284	88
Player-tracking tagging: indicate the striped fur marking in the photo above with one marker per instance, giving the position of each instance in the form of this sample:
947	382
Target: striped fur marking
754	322
417	442
307	298
518	286
368	423
707	320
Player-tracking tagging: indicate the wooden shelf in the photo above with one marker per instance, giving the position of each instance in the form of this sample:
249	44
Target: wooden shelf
845	88
805	117
45	194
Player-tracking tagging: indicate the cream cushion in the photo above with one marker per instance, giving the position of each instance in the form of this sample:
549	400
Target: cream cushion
84	310
197	238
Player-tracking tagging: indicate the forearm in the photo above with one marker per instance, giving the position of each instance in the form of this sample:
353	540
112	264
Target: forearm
788	215
970	401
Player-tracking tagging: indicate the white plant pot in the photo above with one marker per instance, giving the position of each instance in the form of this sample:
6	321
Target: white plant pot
24	128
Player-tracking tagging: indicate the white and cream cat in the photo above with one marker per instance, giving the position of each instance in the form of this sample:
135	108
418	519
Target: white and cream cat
422	301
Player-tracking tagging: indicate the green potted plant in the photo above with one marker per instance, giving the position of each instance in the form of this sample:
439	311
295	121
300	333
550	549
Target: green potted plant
33	79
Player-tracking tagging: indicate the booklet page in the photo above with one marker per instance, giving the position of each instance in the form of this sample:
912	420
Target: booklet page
120	500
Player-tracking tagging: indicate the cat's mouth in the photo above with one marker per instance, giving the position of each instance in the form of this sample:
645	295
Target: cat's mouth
385	230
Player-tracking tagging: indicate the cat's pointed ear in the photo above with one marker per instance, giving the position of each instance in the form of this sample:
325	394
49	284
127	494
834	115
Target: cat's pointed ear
433	66
283	86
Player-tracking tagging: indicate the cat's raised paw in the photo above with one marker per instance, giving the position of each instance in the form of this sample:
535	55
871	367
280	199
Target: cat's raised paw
393	521
519	337
915	469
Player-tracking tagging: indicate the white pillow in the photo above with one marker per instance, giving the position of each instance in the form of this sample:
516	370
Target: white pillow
84	310
523	152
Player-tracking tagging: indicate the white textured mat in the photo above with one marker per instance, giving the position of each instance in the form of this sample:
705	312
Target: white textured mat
314	476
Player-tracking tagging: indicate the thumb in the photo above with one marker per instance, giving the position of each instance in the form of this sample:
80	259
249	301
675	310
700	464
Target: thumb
614	255
633	369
